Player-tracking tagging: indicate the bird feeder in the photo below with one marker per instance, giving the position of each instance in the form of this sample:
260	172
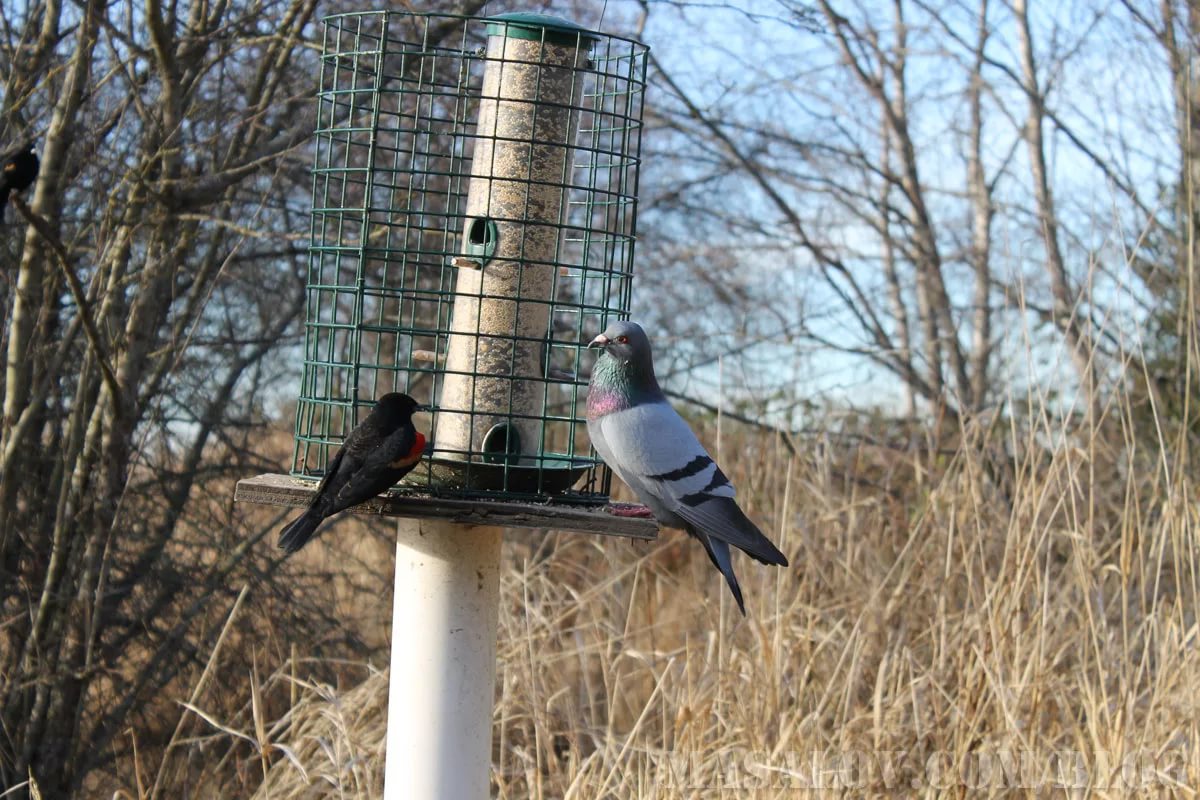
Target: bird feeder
473	227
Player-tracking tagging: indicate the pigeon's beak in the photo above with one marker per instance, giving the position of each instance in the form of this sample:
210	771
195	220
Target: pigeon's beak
599	343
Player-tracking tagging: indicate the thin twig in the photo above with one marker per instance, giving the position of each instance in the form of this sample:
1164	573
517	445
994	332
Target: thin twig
85	316
786	435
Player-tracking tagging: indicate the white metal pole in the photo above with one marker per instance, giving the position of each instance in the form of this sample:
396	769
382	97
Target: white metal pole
440	693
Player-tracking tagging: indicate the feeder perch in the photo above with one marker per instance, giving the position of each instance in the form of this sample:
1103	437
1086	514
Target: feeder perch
473	227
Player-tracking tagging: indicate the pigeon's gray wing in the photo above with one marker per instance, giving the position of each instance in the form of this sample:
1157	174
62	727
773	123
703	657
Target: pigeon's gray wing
653	450
653	444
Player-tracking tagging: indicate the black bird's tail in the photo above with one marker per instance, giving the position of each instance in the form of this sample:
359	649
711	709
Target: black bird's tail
3	201
301	529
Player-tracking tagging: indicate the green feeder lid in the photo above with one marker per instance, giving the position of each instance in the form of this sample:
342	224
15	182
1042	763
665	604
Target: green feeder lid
535	27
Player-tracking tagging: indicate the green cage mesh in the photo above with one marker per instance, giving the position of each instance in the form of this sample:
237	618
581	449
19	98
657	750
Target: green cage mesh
505	148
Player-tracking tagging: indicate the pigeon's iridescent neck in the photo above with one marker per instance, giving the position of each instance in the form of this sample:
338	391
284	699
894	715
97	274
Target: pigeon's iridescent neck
617	385
601	402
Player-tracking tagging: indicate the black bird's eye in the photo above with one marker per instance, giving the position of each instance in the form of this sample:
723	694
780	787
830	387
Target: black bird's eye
622	340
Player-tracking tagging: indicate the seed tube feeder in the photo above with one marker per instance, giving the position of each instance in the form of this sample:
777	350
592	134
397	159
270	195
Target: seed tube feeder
473	227
493	400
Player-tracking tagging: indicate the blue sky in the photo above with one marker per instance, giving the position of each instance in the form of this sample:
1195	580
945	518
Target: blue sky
748	62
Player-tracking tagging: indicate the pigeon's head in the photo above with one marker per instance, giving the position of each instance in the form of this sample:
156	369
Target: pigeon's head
624	341
398	406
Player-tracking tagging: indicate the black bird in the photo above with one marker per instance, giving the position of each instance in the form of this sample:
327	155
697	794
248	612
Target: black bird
19	170
381	450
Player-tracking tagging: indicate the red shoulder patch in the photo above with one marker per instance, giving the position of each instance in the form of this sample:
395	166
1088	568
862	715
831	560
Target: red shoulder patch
414	455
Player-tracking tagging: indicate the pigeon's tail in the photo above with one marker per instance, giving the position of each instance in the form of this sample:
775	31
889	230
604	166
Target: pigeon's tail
767	553
301	529
718	554
722	519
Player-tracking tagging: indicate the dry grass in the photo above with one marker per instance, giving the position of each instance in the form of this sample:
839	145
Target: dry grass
1011	613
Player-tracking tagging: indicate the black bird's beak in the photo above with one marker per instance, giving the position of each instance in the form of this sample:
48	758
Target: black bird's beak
599	343
423	408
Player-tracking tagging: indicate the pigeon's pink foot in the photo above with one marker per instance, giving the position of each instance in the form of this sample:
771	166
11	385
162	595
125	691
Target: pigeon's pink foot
629	510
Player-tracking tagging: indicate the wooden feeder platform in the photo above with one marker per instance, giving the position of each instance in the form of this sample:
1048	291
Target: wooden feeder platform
284	490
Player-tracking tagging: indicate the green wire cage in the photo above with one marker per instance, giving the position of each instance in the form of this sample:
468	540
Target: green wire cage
473	226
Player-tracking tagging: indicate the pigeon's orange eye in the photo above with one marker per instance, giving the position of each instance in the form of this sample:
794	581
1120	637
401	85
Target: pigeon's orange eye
622	340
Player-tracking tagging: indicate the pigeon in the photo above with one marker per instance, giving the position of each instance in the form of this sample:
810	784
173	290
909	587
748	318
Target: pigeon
650	447
18	170
381	450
